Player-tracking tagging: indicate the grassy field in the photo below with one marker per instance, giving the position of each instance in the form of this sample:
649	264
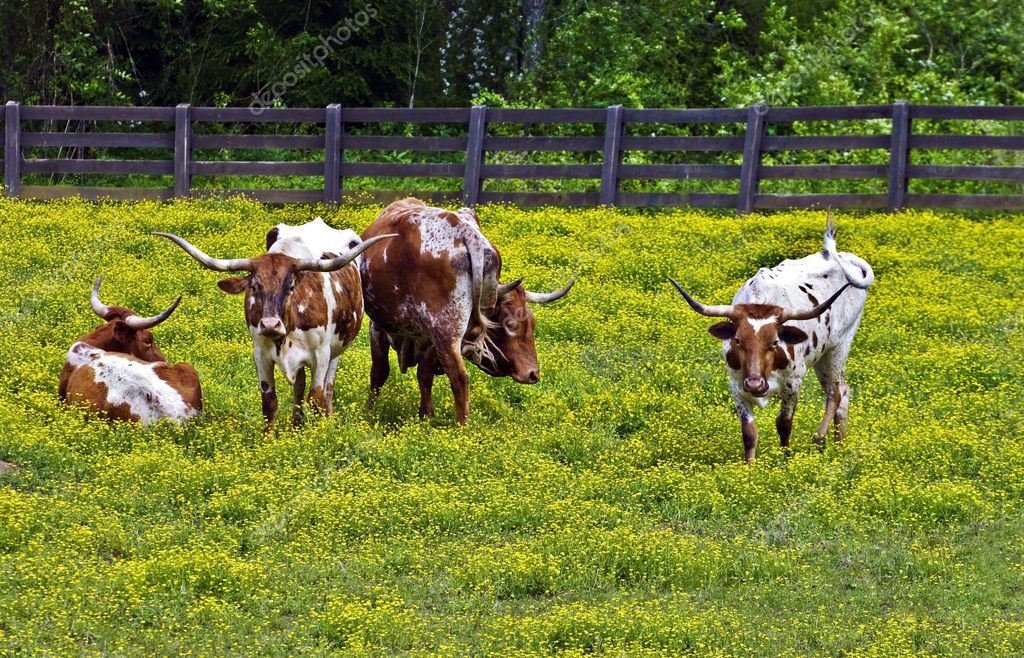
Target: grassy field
604	510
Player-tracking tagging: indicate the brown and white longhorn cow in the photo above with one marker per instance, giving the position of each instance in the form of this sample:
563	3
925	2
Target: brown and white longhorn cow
777	329
303	306
433	295
118	371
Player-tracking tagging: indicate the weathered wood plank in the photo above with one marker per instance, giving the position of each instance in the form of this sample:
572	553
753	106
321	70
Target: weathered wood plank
269	115
825	142
521	171
574	144
680	171
828	113
611	155
953	142
50	192
100	140
67	166
681	143
577	199
975	112
256	168
97	113
182	150
403	169
472	180
12	148
263	196
783	201
751	157
688	115
826	171
959	172
391	143
967	201
407	115
307	142
387	196
333	130
676	200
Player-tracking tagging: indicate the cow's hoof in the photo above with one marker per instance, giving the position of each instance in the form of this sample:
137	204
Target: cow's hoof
819	440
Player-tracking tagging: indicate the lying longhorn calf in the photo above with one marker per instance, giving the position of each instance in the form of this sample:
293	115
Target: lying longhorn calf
768	346
302	310
119	372
433	295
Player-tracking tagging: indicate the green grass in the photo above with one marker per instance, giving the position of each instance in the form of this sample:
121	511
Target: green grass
604	510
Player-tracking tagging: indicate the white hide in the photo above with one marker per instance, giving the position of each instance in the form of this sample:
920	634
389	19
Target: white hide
317	238
132	382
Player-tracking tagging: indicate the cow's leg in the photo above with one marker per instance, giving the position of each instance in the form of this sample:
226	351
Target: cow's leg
298	391
425	377
332	372
450	357
833	382
843	410
268	394
380	366
318	379
749	429
784	421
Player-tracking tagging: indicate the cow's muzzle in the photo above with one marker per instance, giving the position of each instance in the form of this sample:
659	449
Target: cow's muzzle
271	327
756	386
531	376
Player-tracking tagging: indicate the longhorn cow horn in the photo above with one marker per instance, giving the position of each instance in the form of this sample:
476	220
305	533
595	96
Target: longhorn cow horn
98	307
217	264
710	311
332	264
505	288
137	323
814	312
544	298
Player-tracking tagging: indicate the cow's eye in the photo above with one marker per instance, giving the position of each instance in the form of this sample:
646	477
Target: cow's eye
511	326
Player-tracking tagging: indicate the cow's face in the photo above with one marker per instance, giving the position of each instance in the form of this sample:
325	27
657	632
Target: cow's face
755	344
272	279
117	336
514	352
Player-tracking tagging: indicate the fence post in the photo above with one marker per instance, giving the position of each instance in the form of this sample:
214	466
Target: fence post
899	155
12	148
472	182
612	154
750	169
182	150
333	128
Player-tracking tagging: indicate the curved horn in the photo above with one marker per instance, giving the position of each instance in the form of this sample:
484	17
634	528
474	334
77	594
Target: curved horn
505	288
217	264
814	312
710	311
137	323
332	264
98	307
539	298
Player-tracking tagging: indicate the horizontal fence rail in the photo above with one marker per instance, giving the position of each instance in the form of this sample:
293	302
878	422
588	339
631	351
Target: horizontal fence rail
617	146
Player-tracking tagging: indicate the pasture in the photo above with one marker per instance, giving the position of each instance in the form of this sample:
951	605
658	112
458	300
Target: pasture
604	510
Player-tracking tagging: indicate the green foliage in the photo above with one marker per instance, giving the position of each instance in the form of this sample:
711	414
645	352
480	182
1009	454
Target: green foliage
605	509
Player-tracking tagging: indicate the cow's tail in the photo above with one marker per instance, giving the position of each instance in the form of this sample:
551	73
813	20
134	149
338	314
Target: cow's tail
856	269
483	271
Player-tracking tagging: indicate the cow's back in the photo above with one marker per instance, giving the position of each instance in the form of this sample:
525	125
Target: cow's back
421	282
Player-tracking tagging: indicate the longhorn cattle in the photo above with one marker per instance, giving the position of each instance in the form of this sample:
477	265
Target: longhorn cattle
118	371
433	295
777	329
303	306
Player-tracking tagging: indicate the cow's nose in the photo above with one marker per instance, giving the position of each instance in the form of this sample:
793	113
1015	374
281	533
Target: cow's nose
532	377
271	327
755	385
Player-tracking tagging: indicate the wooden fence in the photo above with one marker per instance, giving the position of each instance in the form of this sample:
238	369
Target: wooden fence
334	138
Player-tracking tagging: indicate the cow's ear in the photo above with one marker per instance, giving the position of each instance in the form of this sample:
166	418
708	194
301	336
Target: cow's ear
791	335
271	237
122	331
233	285
722	330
